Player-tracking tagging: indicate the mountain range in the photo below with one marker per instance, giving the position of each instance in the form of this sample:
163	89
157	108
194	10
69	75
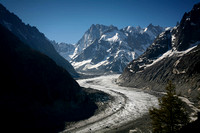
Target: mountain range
106	49
174	55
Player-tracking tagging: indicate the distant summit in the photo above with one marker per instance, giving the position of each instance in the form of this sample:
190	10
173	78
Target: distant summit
64	49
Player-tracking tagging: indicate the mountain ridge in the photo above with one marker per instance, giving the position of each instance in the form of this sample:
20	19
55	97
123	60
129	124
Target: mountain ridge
31	36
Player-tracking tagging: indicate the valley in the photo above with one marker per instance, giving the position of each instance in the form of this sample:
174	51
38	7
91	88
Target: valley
128	104
108	81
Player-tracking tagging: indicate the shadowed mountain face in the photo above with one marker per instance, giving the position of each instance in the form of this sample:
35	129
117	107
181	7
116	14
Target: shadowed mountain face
32	37
36	95
174	55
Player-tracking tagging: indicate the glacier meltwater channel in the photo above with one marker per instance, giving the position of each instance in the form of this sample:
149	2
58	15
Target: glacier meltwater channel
128	105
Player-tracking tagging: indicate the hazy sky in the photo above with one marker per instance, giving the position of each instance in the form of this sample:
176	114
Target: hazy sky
67	20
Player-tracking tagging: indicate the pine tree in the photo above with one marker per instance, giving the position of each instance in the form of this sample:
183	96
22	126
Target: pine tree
171	114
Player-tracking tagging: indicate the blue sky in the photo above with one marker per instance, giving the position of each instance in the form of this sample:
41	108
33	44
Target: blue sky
67	20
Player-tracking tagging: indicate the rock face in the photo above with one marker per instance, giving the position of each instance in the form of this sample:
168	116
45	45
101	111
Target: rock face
106	49
32	37
174	55
35	93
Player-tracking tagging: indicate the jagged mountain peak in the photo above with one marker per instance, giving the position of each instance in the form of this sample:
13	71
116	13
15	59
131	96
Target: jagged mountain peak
93	33
188	31
106	49
101	26
150	30
154	28
100	29
153	31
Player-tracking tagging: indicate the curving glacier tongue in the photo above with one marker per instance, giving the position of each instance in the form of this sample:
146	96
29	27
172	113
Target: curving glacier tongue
128	104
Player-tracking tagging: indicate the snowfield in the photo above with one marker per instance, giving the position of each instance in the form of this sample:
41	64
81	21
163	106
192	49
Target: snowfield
128	104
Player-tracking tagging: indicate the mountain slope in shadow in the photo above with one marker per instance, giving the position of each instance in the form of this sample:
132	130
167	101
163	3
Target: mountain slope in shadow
31	36
36	95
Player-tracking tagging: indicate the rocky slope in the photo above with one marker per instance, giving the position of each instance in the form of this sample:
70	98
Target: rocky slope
174	55
36	95
32	37
106	49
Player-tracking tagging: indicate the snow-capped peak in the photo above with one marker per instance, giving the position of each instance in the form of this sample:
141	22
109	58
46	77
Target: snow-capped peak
105	49
93	33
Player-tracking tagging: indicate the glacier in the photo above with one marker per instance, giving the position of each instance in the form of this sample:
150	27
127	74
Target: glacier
128	104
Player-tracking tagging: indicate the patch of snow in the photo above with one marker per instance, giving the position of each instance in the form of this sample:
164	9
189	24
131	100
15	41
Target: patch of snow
95	66
187	19
129	27
145	29
162	34
82	63
170	53
131	70
114	36
173	39
75	54
168	28
133	55
109	50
